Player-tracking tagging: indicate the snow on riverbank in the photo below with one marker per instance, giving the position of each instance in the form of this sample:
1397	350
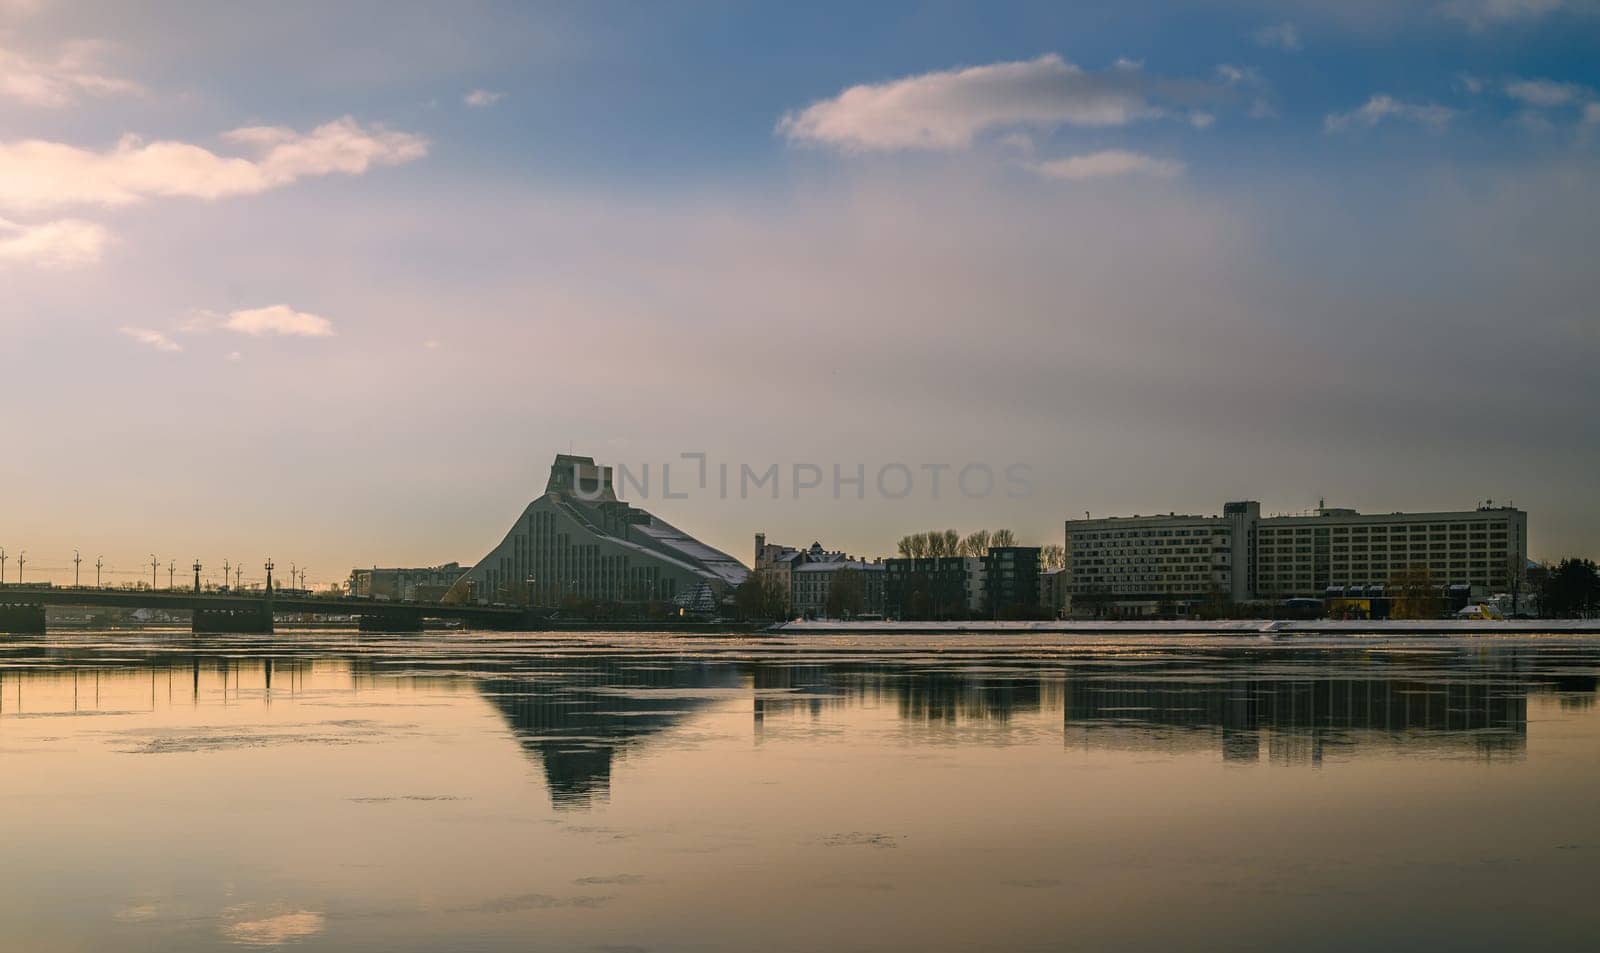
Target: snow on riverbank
1452	627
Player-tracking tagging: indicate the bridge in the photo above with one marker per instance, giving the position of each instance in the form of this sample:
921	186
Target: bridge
22	609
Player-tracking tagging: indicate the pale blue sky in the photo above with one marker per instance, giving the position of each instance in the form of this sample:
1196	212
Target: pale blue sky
334	281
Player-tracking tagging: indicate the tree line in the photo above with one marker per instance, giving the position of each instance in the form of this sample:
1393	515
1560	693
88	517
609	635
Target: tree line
936	543
1568	588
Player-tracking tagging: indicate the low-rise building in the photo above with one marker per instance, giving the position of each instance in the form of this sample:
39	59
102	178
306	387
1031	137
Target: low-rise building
812	569
776	563
933	587
857	583
423	584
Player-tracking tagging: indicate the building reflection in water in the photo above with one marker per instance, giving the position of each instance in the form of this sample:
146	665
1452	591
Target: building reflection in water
576	716
1299	719
574	707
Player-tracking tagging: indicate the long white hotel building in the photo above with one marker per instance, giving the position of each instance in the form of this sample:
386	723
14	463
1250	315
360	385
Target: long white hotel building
1243	555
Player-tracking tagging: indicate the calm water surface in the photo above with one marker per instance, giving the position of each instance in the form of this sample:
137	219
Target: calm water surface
331	791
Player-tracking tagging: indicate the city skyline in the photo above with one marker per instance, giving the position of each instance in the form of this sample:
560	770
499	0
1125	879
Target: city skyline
334	285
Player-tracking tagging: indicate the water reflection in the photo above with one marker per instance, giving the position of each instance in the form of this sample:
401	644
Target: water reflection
576	715
576	706
336	791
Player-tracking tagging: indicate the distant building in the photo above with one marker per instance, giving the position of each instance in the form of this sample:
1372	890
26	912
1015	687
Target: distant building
805	576
579	541
425	584
776	563
814	583
1011	582
1053	592
933	587
1140	563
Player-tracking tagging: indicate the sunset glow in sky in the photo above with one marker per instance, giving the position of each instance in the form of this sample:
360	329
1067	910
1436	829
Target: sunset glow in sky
334	282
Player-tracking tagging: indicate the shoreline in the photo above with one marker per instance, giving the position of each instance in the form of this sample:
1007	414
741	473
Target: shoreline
1445	627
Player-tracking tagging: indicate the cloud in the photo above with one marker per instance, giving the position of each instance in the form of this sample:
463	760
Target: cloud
234	357
35	174
279	319
1544	93
57	244
947	109
479	98
1591	114
1248	81
153	338
1281	36
58	82
1482	13
1111	162
1383	106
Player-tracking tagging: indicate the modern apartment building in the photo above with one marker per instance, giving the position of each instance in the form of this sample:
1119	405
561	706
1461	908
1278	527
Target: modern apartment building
1244	556
933	587
1011	582
1052	591
1157	559
1306	555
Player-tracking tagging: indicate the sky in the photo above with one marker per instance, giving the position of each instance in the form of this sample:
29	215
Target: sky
332	283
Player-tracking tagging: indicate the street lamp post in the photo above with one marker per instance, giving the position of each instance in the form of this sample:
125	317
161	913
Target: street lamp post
3	558
225	570
172	573
98	562
197	575
76	559
22	560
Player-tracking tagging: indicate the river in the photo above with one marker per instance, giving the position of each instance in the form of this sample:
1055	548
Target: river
351	792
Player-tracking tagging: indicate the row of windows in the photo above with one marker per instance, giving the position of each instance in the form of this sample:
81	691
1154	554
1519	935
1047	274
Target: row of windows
1400	529
1151	533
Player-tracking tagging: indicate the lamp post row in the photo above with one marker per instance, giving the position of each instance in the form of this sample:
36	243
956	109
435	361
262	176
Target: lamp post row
237	569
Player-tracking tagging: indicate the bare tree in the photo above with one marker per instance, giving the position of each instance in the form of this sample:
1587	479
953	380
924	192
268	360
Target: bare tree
760	597
846	596
951	543
1002	537
914	546
1515	571
976	543
1052	556
1414	594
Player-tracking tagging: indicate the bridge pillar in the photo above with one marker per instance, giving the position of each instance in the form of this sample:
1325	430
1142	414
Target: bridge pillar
390	620
232	621
22	619
528	620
